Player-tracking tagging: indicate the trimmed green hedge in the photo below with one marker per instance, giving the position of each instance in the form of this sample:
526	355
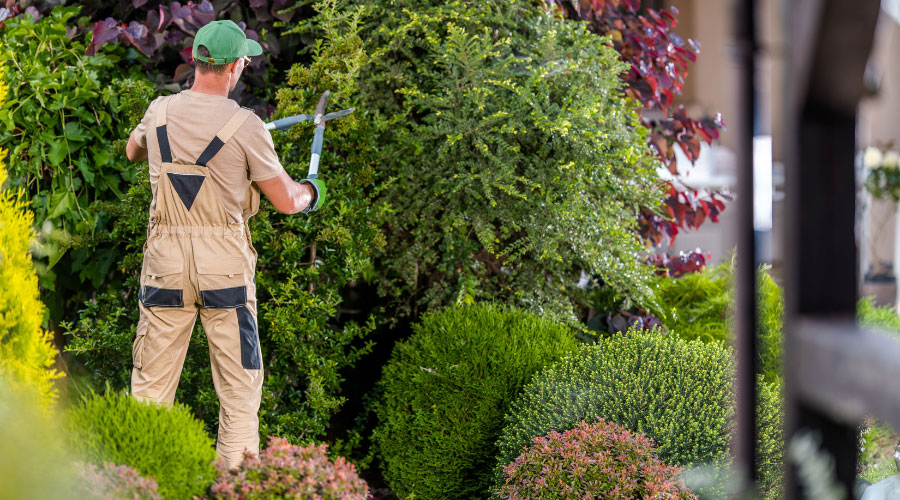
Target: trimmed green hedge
167	444
679	393
446	390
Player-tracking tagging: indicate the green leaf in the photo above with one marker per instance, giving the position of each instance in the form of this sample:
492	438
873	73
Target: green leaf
101	157
61	201
74	132
58	151
85	170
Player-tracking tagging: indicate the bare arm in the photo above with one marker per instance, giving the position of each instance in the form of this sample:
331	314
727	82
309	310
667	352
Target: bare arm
287	195
133	151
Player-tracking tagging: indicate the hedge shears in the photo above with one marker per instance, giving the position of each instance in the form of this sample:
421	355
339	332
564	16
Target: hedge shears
320	119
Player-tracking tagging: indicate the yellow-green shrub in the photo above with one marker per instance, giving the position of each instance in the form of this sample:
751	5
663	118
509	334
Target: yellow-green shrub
26	350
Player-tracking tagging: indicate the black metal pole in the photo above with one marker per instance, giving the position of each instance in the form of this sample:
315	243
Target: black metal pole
746	315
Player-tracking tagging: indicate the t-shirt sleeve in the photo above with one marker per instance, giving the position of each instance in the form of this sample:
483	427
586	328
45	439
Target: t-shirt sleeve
140	132
262	161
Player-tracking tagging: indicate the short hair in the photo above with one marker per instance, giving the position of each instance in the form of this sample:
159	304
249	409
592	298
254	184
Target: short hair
205	67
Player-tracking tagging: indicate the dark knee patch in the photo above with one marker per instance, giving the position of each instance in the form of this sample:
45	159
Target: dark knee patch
161	297
249	339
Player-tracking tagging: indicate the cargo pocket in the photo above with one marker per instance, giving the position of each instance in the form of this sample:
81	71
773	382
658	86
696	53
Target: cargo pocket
221	283
163	283
137	351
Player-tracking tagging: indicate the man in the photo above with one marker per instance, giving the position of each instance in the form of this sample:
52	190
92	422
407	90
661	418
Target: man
208	158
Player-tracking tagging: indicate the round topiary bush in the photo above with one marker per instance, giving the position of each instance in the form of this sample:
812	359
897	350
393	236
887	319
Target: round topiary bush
600	460
286	471
679	393
446	390
163	443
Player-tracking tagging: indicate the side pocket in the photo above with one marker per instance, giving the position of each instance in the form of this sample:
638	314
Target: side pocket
137	350
221	282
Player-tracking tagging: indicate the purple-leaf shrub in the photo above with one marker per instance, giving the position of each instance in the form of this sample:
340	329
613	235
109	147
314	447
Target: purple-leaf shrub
659	60
114	482
678	265
283	470
600	460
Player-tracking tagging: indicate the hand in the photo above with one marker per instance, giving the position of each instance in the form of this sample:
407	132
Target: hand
318	187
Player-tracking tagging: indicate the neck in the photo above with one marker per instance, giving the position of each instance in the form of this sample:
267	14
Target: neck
210	84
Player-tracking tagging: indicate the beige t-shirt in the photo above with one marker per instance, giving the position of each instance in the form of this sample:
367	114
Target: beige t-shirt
193	120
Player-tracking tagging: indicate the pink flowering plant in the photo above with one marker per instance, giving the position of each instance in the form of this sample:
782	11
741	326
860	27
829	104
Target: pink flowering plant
600	460
283	470
115	482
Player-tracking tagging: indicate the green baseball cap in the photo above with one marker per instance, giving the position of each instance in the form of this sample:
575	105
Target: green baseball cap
226	42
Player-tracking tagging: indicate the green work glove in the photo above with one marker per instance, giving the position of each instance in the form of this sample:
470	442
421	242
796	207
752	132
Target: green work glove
319	187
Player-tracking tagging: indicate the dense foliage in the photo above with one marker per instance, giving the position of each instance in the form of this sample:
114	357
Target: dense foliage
26	350
66	118
699	306
517	163
679	393
114	482
599	460
166	444
163	34
884	318
659	60
446	389
287	471
305	262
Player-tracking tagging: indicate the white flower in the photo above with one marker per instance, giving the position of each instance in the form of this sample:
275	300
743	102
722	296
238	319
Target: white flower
872	157
891	160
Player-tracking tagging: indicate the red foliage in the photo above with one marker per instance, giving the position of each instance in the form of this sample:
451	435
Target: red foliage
602	460
676	267
659	61
685	209
283	470
112	482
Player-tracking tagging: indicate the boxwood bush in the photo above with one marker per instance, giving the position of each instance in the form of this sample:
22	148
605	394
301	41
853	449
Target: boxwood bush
598	460
163	443
446	389
677	392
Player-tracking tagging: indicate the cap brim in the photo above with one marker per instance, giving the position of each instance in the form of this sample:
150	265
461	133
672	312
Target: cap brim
253	48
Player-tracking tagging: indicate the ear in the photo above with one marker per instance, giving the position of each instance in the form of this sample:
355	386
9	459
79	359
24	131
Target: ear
232	67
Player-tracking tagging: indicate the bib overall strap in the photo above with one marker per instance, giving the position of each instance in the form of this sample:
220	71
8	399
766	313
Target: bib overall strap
162	137
222	136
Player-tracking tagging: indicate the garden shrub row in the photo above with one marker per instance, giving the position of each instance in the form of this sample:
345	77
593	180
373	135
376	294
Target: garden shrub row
442	430
446	389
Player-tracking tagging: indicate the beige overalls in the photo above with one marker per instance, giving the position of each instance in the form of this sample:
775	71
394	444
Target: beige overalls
197	261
